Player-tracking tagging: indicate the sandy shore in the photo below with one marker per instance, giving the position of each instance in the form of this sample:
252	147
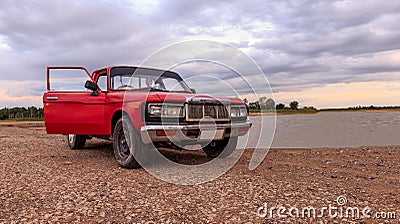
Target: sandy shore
42	180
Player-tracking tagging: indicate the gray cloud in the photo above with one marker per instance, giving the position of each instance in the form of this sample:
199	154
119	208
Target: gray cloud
86	33
298	44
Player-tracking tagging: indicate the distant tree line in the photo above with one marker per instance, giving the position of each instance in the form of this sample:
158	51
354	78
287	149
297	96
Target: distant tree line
268	104
372	107
265	104
21	113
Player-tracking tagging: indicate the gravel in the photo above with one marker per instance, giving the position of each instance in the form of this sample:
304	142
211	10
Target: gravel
42	180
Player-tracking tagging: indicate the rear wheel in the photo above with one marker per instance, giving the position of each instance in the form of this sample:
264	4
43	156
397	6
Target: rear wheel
222	148
127	144
76	141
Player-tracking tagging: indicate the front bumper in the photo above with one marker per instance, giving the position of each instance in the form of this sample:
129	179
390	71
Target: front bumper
192	132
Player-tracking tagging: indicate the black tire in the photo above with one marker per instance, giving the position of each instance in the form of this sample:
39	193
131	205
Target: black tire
221	148
127	144
76	141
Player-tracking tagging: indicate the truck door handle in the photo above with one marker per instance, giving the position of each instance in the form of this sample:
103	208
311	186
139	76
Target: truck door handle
52	98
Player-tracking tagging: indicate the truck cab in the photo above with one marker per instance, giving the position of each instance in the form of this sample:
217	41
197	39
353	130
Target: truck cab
138	108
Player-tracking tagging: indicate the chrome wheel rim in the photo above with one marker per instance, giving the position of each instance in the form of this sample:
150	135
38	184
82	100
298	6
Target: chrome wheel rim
123	145
71	138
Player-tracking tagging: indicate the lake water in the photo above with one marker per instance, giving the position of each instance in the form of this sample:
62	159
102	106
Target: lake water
329	129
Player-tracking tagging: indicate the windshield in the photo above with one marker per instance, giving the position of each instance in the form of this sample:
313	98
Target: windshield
131	78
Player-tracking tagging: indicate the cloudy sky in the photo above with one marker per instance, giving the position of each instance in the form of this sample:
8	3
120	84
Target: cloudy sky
320	53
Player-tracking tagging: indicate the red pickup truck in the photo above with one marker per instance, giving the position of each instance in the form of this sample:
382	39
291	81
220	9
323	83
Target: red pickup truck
137	107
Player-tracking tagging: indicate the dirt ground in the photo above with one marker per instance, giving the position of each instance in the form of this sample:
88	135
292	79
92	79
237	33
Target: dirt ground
42	180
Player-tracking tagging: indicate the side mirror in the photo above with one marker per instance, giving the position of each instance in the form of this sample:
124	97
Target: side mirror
193	90
92	86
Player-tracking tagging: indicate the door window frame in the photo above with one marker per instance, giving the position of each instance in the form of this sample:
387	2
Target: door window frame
64	68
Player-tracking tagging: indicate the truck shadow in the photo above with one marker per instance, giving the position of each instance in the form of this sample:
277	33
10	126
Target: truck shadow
185	157
101	145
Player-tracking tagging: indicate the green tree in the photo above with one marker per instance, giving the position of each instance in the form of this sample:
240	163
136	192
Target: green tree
21	113
262	102
280	106
294	105
32	112
4	113
266	104
270	104
254	105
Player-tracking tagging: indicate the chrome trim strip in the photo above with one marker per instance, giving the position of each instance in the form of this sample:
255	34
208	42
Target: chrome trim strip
207	100
52	98
195	126
148	132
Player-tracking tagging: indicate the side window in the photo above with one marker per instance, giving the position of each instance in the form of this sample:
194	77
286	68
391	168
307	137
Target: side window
172	85
119	82
67	79
102	83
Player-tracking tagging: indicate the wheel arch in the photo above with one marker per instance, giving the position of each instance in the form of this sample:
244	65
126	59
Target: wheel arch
116	116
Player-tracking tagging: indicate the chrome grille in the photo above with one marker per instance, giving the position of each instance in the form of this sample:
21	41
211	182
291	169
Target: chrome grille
196	112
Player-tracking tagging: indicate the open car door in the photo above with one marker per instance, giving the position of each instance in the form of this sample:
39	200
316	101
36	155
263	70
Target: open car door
69	108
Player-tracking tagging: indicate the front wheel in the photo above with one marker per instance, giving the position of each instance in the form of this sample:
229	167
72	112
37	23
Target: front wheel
127	144
76	141
222	148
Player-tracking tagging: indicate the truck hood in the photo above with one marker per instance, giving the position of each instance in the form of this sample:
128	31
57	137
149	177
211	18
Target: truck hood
184	97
